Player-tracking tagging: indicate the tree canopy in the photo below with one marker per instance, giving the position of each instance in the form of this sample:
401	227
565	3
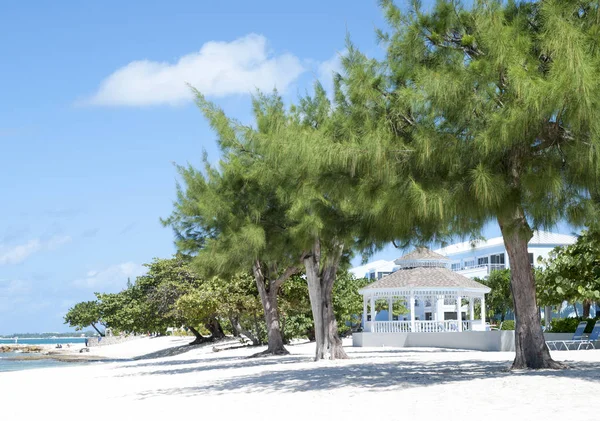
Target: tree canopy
84	314
572	273
494	106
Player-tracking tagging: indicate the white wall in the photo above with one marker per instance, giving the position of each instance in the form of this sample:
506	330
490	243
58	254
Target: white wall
498	340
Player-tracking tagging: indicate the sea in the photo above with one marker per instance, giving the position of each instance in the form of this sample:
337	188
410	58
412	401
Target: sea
6	364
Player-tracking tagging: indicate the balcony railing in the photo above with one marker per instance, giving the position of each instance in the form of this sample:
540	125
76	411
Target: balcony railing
489	268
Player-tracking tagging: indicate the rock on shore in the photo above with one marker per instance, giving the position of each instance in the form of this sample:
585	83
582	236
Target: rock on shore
22	348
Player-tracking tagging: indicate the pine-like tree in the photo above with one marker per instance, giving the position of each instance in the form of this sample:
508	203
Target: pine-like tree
231	219
496	106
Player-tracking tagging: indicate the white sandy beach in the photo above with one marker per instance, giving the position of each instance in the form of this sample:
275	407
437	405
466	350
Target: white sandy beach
382	383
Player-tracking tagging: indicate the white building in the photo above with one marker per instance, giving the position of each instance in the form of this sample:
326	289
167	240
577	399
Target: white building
475	259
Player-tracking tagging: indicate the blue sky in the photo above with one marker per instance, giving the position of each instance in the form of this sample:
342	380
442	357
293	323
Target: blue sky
95	111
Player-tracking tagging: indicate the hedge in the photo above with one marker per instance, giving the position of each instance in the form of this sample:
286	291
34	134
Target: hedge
569	325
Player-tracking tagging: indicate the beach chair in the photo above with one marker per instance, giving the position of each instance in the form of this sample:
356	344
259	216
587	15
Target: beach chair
577	336
589	341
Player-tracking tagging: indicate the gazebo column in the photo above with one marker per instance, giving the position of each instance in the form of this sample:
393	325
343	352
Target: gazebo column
412	312
472	308
364	316
483	311
372	313
440	307
459	312
390	307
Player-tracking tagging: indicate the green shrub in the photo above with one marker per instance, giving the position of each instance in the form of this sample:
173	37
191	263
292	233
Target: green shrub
569	325
508	325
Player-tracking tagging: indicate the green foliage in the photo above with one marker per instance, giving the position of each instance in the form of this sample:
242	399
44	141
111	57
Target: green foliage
294	309
348	303
499	301
572	272
230	215
508	325
479	113
569	325
84	314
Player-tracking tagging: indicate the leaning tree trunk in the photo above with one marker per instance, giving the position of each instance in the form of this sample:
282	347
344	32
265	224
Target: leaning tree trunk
199	338
96	329
238	326
269	303
530	346
320	290
234	321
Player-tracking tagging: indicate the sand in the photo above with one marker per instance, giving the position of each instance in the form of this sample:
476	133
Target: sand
375	384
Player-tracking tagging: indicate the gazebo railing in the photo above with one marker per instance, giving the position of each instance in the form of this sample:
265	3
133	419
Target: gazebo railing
425	326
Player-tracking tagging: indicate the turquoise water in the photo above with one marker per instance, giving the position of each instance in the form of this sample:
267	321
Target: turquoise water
8	365
43	341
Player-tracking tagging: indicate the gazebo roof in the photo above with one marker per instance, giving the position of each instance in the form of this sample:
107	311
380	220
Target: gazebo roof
422	257
420	253
425	277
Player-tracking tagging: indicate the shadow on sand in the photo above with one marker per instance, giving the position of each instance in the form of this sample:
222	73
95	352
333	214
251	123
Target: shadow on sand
367	374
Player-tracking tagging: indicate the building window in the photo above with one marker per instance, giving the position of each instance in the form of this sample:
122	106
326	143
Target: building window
481	261
428	316
455	266
497	262
531	259
469	263
450	315
372	275
382	274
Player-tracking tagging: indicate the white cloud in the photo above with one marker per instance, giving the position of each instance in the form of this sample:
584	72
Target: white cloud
327	69
110	277
16	254
14	287
218	69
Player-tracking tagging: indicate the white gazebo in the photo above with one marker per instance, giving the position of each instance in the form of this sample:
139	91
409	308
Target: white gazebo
434	296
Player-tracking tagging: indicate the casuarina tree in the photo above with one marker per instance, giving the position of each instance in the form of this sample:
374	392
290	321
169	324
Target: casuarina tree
231	219
496	105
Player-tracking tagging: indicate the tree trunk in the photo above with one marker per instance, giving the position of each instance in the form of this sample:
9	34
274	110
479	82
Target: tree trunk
199	338
334	343
313	279
320	291
245	332
96	329
587	305
530	346
234	320
269	303
215	329
548	316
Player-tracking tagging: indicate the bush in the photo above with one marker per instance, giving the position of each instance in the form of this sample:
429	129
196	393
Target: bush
508	325
569	325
